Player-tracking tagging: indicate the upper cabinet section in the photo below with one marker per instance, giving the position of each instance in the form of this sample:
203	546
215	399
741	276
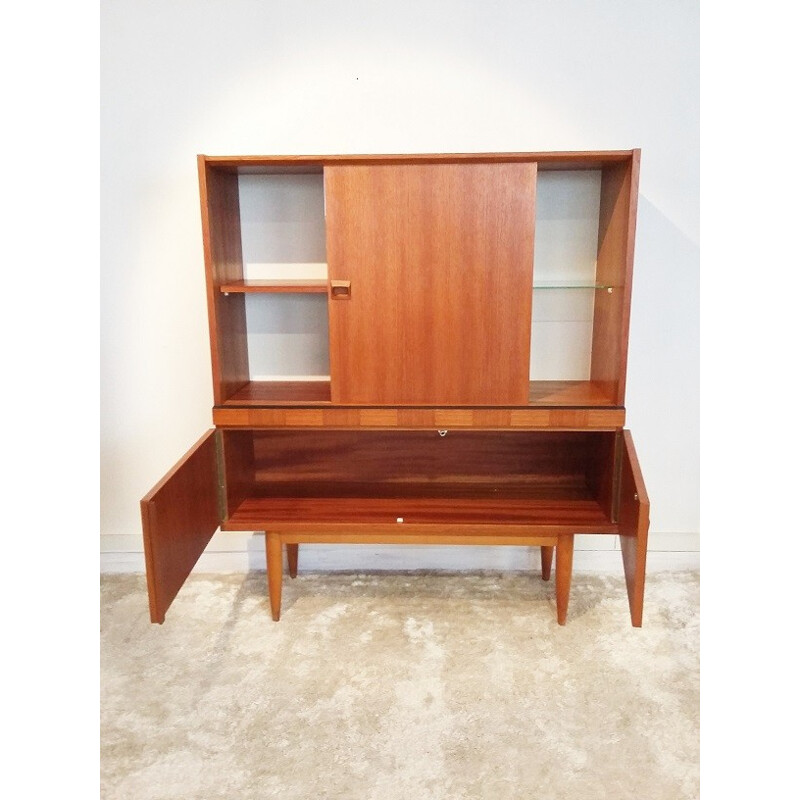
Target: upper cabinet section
432	280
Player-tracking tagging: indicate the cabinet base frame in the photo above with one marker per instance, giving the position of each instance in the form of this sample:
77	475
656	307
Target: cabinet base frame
562	545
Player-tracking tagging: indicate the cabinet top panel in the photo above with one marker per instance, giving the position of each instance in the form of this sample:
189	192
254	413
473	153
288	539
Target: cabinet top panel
589	159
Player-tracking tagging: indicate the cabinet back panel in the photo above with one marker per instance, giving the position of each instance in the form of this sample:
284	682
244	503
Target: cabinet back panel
419	463
287	336
283	226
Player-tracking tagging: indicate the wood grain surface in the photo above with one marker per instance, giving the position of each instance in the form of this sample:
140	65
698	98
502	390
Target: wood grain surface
222	250
252	286
376	462
351	516
585	159
420	418
634	523
437	256
179	516
617	226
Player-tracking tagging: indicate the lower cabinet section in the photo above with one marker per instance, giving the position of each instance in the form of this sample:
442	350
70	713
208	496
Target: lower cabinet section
536	488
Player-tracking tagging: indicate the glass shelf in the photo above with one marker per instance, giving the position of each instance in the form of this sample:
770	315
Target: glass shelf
573	285
321	286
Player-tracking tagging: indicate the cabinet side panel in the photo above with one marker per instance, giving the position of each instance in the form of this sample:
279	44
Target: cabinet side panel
601	470
222	247
440	261
617	229
179	517
237	448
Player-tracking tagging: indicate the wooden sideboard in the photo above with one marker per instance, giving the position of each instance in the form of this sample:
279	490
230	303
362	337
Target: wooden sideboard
451	367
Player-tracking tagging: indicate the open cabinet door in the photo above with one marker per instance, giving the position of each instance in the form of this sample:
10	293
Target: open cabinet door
179	516
634	523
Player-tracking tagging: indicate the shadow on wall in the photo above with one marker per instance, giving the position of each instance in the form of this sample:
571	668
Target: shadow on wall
662	396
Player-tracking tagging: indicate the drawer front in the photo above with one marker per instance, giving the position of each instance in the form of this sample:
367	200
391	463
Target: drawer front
519	419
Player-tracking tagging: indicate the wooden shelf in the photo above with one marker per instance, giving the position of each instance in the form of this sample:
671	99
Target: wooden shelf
569	393
256	512
275	287
266	393
543	394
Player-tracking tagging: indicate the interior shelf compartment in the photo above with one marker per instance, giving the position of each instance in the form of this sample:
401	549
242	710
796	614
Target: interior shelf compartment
421	477
582	246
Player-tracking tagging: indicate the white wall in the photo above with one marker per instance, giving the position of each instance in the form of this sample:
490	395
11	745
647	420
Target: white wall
246	77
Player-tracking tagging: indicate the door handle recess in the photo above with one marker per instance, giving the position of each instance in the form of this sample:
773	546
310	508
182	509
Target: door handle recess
340	290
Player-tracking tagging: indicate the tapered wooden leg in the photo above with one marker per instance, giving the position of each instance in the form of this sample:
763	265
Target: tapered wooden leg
563	575
634	556
291	556
547	561
274	573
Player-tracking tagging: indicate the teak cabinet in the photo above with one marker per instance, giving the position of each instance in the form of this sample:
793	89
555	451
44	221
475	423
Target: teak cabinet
412	349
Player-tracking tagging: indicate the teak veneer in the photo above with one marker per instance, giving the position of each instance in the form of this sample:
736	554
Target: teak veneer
430	428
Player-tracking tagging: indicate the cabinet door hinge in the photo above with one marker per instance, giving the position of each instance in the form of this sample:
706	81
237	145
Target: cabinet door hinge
222	505
617	485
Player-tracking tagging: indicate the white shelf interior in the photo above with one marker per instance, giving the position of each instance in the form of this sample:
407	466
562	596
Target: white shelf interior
283	238
565	253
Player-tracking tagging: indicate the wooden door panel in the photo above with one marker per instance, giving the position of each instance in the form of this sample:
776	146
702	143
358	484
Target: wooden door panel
179	517
634	523
440	263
